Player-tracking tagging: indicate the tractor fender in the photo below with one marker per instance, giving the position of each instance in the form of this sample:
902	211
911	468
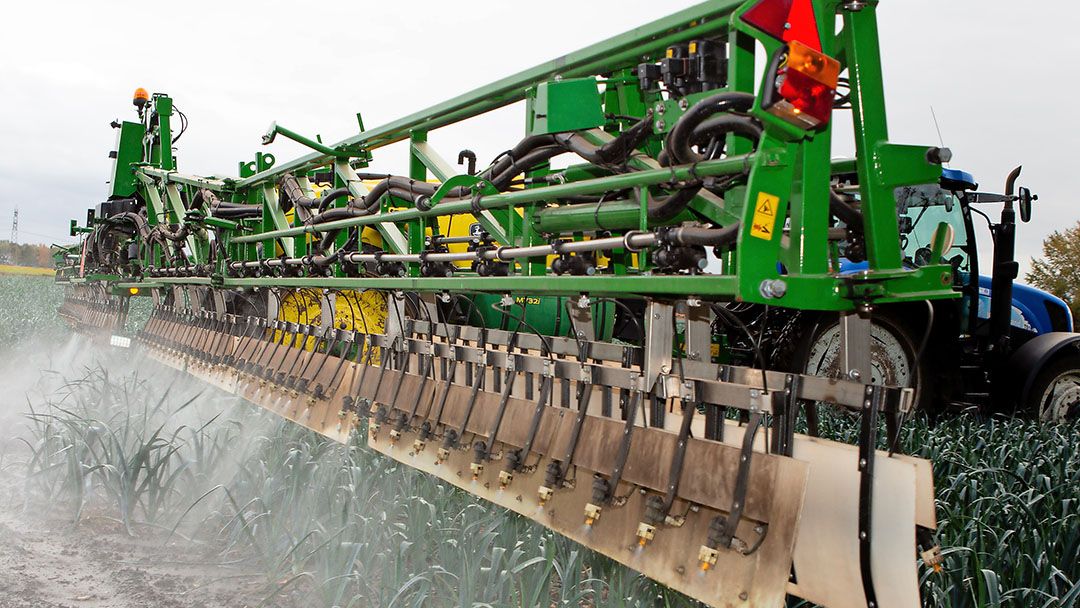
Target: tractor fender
1027	361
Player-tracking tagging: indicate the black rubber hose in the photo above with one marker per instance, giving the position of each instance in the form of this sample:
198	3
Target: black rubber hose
719	126
615	151
680	138
135	219
703	128
179	234
292	195
410	189
666	208
704	237
528	153
202	198
622	146
847	213
207	200
330	197
511	158
246	211
341	213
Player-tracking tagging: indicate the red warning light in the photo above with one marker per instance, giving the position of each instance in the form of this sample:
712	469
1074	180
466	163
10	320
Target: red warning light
808	87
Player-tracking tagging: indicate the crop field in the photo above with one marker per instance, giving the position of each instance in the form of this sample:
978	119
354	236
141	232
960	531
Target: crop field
26	270
313	523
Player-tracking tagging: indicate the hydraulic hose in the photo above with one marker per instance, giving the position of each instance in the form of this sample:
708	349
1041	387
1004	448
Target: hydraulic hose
847	213
681	137
717	127
292	195
330	197
703	237
528	153
207	201
666	208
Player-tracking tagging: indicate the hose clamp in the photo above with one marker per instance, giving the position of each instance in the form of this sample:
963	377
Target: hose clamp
626	240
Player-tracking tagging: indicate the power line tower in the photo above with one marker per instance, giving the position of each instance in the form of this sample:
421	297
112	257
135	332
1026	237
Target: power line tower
15	227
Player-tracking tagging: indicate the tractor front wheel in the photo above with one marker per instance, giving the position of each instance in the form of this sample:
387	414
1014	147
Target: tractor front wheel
1055	394
892	355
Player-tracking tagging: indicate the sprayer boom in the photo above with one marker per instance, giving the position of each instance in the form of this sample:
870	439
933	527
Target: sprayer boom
574	343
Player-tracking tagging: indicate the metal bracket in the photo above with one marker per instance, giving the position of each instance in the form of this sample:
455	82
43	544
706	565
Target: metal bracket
659	332
855	347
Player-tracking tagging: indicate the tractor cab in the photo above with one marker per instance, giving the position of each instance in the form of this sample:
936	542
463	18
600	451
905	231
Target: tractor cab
956	202
1002	343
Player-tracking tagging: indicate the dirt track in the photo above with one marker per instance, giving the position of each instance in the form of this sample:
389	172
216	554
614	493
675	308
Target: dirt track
45	563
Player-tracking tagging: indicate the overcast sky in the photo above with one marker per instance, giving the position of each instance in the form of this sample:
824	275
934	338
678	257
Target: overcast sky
997	74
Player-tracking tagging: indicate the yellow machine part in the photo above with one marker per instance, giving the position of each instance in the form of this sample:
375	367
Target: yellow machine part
363	311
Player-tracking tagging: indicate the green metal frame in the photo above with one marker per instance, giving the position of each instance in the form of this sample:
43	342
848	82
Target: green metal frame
789	172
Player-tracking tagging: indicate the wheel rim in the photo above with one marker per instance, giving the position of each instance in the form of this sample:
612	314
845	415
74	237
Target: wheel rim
890	362
1061	399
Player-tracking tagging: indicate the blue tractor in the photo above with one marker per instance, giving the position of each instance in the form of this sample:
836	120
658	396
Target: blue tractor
1001	347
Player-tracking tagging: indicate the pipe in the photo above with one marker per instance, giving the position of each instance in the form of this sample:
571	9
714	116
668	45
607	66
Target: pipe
633	240
649	177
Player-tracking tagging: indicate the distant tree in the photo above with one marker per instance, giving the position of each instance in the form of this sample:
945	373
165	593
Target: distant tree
25	254
1058	271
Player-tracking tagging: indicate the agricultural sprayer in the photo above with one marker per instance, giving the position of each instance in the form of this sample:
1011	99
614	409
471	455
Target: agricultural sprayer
589	341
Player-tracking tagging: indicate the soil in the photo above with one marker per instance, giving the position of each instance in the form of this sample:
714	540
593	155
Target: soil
46	562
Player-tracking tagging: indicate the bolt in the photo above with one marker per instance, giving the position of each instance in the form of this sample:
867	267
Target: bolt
772	288
660	109
854	374
660	124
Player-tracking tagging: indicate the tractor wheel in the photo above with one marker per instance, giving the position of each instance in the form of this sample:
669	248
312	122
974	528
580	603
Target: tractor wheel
892	355
1055	394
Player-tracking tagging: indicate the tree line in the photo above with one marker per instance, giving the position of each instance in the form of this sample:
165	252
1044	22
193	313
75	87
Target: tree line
1058	270
20	254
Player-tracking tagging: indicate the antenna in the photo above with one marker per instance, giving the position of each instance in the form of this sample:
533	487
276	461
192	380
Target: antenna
937	127
15	227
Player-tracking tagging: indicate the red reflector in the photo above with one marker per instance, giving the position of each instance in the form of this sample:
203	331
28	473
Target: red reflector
803	25
769	16
786	20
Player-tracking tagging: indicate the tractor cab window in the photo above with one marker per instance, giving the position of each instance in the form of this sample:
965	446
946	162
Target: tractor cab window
921	209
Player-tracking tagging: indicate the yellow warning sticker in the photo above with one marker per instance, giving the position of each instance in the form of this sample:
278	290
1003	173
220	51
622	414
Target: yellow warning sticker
765	216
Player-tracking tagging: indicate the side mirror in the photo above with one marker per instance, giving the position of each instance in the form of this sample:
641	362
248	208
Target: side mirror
1023	200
